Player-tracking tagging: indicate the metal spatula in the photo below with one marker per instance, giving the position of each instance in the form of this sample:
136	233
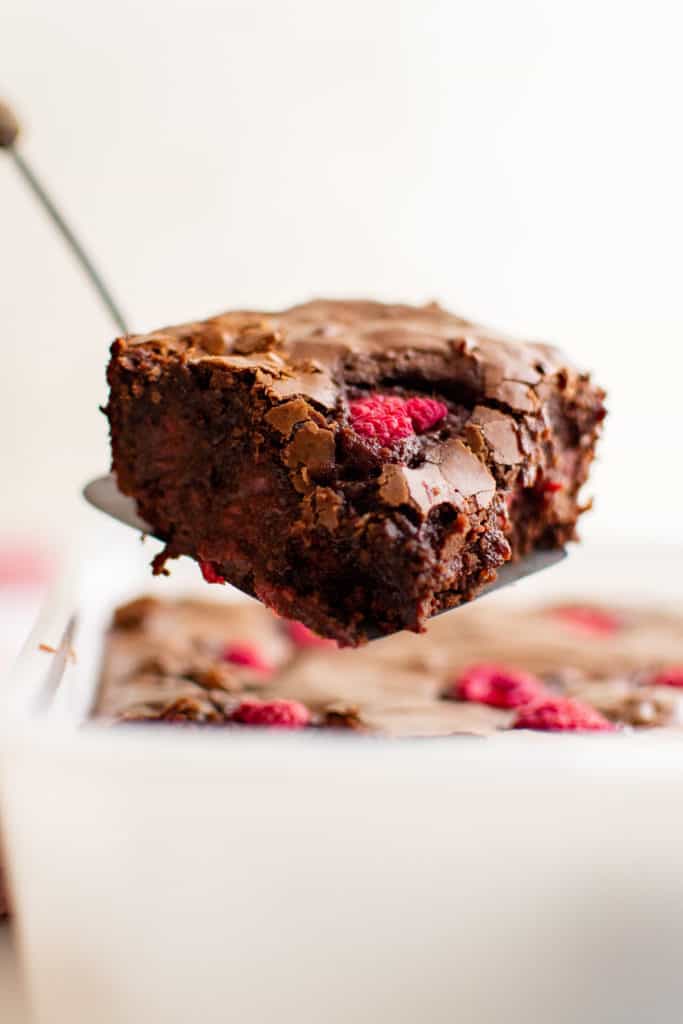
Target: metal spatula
103	493
9	135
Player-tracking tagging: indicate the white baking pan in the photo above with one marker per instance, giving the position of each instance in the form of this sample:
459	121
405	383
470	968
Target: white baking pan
171	876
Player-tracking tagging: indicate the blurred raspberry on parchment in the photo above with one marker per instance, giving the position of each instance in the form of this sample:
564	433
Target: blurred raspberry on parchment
27	569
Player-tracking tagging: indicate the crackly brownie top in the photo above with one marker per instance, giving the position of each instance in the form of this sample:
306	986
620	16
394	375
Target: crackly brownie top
486	669
312	361
309	349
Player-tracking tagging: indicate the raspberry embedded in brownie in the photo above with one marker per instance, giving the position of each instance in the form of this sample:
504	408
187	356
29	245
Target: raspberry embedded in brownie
497	685
356	466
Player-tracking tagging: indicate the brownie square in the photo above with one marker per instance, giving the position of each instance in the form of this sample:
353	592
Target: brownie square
354	465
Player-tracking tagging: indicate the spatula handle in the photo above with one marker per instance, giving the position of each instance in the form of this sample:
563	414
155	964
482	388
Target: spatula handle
9	132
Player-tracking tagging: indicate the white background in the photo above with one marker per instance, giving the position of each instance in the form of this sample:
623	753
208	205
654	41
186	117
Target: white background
522	162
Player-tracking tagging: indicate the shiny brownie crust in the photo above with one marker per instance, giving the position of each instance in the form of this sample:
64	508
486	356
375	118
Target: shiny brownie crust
236	438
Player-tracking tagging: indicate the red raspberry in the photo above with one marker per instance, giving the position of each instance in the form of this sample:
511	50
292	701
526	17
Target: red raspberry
276	714
672	676
498	686
380	418
23	565
302	636
590	620
425	413
548	486
210	573
248	656
388	403
562	714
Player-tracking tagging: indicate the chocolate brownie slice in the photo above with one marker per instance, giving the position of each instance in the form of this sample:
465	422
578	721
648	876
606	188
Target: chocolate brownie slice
355	466
198	663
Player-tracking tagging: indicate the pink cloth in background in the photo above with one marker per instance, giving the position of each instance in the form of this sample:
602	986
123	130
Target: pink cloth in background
26	572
